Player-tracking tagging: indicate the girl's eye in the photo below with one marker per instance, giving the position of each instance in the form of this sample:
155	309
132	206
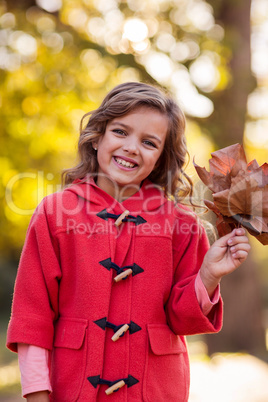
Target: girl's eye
119	131
149	143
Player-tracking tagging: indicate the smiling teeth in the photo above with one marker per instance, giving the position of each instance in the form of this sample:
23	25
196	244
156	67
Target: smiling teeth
124	163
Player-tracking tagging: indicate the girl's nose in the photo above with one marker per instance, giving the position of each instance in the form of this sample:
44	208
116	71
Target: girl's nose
130	145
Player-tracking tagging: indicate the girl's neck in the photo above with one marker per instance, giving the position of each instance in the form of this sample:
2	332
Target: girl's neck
119	193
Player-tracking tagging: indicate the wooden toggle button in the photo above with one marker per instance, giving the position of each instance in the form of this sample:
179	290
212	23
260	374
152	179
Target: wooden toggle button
123	275
114	387
121	217
120	332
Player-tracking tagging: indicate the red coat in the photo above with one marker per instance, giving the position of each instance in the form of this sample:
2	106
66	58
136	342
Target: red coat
67	301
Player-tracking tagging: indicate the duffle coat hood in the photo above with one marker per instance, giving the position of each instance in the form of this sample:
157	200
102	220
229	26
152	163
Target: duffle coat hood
66	298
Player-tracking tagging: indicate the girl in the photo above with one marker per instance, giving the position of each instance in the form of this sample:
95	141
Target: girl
114	272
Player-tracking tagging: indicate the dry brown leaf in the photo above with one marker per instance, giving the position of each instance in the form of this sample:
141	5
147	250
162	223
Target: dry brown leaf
239	190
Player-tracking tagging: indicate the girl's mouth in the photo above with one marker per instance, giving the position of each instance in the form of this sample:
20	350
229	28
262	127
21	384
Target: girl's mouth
125	163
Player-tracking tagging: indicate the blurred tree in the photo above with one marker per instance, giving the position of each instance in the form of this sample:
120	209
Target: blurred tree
227	123
243	327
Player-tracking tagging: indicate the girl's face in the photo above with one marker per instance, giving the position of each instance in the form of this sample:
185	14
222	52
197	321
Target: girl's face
129	150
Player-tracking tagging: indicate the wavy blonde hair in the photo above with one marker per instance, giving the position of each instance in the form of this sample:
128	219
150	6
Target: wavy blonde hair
169	171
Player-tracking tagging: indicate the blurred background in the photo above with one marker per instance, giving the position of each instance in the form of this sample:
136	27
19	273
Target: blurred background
57	61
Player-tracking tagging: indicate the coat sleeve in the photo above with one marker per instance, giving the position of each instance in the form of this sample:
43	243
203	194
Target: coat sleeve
35	306
184	314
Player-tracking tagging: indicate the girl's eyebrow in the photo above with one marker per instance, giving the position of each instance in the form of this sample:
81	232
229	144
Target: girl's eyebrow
118	123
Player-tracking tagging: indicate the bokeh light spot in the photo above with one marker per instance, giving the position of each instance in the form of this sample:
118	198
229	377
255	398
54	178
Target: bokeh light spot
8	21
30	106
135	30
50	5
204	73
24	43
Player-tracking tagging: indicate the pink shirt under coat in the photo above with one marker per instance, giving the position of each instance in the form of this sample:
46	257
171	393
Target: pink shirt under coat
34	361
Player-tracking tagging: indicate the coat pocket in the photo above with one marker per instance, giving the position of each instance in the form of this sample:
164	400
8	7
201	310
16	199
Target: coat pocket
166	375
68	359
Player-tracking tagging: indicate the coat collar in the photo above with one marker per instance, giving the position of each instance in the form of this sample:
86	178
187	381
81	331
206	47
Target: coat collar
148	198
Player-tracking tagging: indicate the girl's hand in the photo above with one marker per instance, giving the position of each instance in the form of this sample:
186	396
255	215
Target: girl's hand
41	396
224	256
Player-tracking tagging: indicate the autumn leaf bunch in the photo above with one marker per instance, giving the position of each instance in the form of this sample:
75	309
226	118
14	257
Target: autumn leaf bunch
239	191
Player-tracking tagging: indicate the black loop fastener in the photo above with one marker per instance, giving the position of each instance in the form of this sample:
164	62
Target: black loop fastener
103	323
108	264
96	380
114	327
120	270
138	220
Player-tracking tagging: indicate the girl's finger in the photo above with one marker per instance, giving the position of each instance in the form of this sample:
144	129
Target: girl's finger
239	232
237	240
240	255
240	246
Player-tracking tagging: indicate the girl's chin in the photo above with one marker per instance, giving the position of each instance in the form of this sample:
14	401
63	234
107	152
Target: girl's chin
118	188
127	184
123	178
